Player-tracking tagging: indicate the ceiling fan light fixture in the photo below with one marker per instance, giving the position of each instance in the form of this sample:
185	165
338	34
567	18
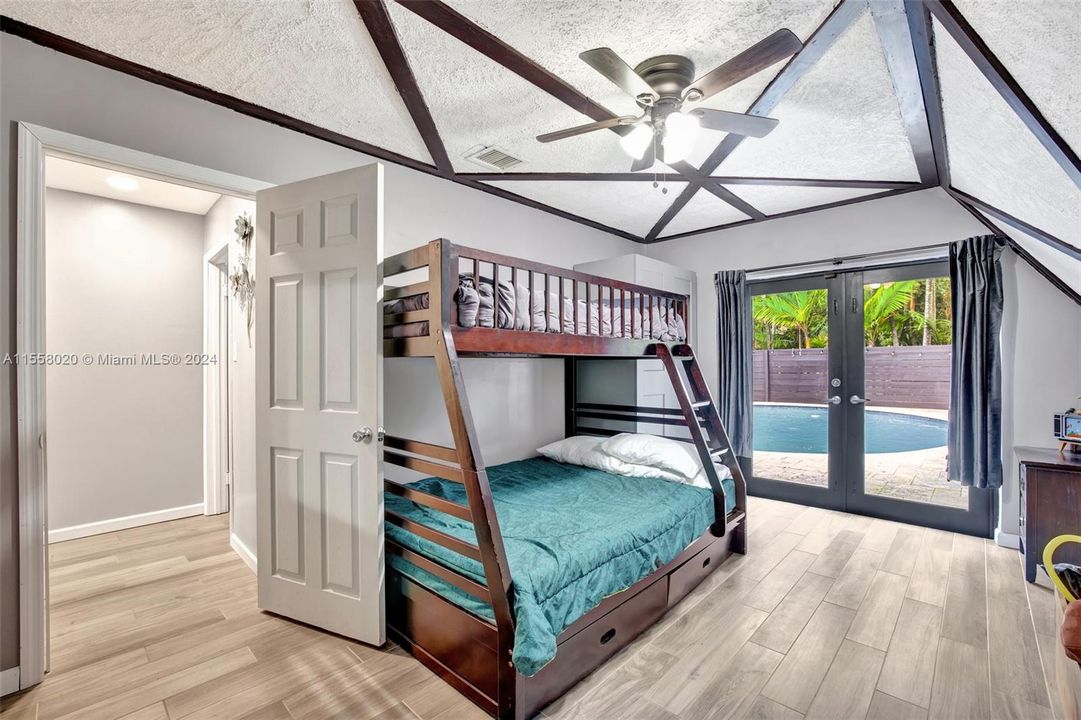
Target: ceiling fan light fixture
680	132
637	141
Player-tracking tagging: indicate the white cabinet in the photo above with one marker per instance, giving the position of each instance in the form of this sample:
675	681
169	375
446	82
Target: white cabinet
639	382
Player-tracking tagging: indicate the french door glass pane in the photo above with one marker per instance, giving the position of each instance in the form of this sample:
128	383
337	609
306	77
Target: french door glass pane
907	350
791	384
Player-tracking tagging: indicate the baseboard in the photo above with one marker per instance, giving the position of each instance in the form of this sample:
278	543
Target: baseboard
1007	540
123	523
242	550
9	681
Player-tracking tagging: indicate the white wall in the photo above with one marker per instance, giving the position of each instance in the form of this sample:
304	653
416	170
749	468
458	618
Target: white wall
1041	337
46	88
218	227
121	279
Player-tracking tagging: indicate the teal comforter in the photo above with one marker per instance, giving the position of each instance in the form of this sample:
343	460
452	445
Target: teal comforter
573	536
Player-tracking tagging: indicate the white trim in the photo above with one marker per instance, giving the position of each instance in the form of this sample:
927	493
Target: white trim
30	407
34	143
1007	540
215	499
101	527
244	552
9	681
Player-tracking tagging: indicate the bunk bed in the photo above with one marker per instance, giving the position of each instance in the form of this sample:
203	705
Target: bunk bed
578	537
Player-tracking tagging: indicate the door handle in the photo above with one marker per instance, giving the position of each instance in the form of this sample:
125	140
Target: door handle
363	435
835	400
857	400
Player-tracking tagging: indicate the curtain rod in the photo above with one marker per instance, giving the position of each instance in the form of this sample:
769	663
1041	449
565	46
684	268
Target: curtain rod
810	266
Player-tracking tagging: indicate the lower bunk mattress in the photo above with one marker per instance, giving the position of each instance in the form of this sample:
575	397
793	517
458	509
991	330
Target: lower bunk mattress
573	536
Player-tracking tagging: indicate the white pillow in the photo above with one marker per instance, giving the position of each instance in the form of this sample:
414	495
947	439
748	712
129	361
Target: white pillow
571	450
659	452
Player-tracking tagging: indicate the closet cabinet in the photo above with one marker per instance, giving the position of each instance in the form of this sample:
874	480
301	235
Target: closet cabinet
638	382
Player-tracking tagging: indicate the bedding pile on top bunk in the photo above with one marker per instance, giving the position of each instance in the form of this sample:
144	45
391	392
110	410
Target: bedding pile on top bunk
510	307
573	535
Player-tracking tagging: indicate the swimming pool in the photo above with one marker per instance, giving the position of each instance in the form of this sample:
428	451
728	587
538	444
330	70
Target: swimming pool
804	429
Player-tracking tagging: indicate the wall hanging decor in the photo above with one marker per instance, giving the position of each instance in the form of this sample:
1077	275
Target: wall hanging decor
242	279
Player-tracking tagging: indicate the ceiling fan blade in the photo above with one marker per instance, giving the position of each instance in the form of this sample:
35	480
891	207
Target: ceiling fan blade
756	58
588	127
606	62
647	159
735	123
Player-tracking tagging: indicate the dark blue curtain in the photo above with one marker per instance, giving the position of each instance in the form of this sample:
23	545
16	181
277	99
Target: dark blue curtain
734	337
975	436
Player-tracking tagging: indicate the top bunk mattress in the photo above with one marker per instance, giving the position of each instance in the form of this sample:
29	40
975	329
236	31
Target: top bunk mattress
512	307
573	536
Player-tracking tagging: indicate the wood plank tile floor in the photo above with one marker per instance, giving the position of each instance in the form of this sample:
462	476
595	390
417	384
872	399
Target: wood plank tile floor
830	616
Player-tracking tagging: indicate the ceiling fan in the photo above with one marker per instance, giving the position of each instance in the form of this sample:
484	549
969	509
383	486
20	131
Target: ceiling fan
664	84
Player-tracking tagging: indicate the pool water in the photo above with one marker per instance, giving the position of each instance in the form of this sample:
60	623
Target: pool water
804	429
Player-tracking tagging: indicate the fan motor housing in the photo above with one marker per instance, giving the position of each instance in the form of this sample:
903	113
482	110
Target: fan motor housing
668	75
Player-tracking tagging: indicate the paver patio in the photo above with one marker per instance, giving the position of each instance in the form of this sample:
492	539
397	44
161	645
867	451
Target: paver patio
917	475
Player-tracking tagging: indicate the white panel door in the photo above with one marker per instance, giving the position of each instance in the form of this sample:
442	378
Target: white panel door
654	386
319	352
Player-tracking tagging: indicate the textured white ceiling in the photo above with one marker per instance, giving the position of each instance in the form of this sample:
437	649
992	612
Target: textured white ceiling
840	121
774	199
313	61
476	101
93	180
630	206
704	210
1038	44
554	32
1067	269
994	157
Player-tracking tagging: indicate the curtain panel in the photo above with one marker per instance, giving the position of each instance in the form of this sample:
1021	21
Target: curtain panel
734	340
975	431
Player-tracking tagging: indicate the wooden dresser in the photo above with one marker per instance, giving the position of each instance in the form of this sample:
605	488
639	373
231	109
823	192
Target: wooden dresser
1050	504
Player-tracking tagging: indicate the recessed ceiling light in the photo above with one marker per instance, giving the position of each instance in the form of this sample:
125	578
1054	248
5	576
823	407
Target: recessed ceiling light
124	183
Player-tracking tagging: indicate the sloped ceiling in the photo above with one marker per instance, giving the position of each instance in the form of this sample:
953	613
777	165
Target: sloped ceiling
994	157
840	121
843	136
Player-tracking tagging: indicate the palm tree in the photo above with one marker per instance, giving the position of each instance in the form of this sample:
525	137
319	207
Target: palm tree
801	310
885	309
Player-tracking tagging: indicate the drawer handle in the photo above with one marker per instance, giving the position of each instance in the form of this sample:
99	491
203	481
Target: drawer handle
705	563
607	637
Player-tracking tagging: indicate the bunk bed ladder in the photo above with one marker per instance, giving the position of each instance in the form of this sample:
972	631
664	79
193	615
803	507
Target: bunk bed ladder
705	426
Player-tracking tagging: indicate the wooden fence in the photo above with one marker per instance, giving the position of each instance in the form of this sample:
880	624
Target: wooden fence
915	376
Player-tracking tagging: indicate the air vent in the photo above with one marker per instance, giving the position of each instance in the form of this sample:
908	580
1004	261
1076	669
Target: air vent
492	158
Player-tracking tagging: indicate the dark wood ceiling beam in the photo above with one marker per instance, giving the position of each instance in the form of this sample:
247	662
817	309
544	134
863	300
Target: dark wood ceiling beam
459	26
64	45
377	20
791	213
575	177
1003	82
891	21
1004	217
735	201
919	30
673	177
1048	274
821	40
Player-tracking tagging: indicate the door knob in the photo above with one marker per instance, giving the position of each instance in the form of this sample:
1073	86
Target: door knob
857	400
363	435
835	400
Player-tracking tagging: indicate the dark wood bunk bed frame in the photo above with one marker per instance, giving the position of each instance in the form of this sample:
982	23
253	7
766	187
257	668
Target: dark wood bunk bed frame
471	653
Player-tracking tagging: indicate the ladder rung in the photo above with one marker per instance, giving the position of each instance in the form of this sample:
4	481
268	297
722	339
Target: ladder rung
717	452
701	404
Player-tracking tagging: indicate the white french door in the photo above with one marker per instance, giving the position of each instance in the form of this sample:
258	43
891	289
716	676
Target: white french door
319	246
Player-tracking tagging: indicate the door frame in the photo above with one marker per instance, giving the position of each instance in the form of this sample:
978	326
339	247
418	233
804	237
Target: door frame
216	480
844	489
34	144
979	517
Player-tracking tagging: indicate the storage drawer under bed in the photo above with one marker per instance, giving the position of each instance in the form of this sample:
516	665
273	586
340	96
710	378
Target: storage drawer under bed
687	576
